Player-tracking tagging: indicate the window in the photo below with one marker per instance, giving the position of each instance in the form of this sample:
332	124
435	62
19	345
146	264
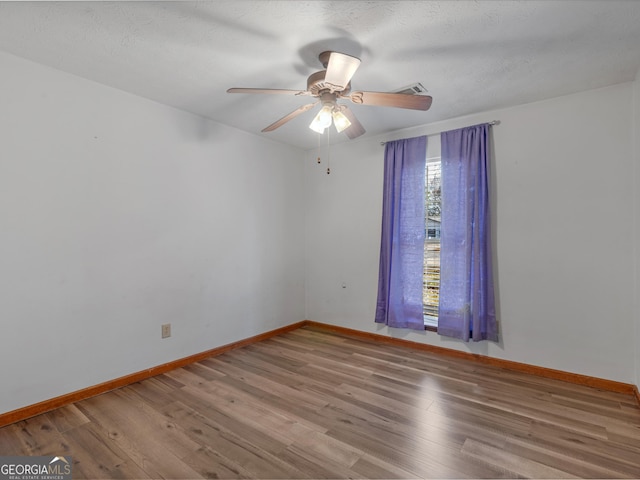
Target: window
431	266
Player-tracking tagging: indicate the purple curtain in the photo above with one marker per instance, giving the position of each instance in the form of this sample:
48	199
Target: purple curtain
403	229
467	306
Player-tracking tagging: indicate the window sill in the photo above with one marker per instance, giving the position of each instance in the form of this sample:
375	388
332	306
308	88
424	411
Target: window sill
430	323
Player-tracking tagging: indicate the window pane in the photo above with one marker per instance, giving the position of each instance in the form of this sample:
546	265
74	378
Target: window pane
431	273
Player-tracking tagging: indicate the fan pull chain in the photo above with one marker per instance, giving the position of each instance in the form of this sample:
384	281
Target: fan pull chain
328	151
319	135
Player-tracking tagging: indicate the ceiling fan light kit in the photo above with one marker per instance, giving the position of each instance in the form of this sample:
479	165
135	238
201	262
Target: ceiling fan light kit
333	84
329	111
322	120
340	120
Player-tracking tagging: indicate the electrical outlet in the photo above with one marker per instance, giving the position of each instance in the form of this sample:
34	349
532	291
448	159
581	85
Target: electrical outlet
166	330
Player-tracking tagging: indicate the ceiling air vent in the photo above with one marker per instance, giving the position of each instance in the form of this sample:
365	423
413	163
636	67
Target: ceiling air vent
415	89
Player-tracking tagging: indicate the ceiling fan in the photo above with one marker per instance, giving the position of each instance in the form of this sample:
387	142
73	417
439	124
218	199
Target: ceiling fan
333	84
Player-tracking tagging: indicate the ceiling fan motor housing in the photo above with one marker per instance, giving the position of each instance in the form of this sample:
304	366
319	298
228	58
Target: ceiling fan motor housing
316	85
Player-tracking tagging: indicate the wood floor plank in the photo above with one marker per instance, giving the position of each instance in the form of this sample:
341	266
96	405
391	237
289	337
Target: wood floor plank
313	404
424	461
214	446
374	468
210	464
148	448
234	415
261	379
67	417
152	391
95	458
203	371
437	448
373	398
329	448
241	449
10	445
504	409
516	463
315	466
539	451
615	456
39	436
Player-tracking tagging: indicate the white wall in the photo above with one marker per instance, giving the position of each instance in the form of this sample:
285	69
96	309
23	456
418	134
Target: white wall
563	180
117	215
636	135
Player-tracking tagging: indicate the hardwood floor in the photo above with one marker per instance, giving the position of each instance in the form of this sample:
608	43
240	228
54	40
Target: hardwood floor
312	404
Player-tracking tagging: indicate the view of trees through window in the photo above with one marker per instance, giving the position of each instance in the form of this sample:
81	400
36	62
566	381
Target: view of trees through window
431	269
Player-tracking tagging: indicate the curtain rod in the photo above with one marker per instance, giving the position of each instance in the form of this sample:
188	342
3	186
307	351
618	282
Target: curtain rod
492	122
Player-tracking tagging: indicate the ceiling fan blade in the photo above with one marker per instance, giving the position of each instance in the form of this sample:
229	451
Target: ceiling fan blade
288	117
355	129
269	90
400	100
340	69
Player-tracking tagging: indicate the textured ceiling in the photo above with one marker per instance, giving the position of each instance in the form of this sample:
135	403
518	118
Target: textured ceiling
471	56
